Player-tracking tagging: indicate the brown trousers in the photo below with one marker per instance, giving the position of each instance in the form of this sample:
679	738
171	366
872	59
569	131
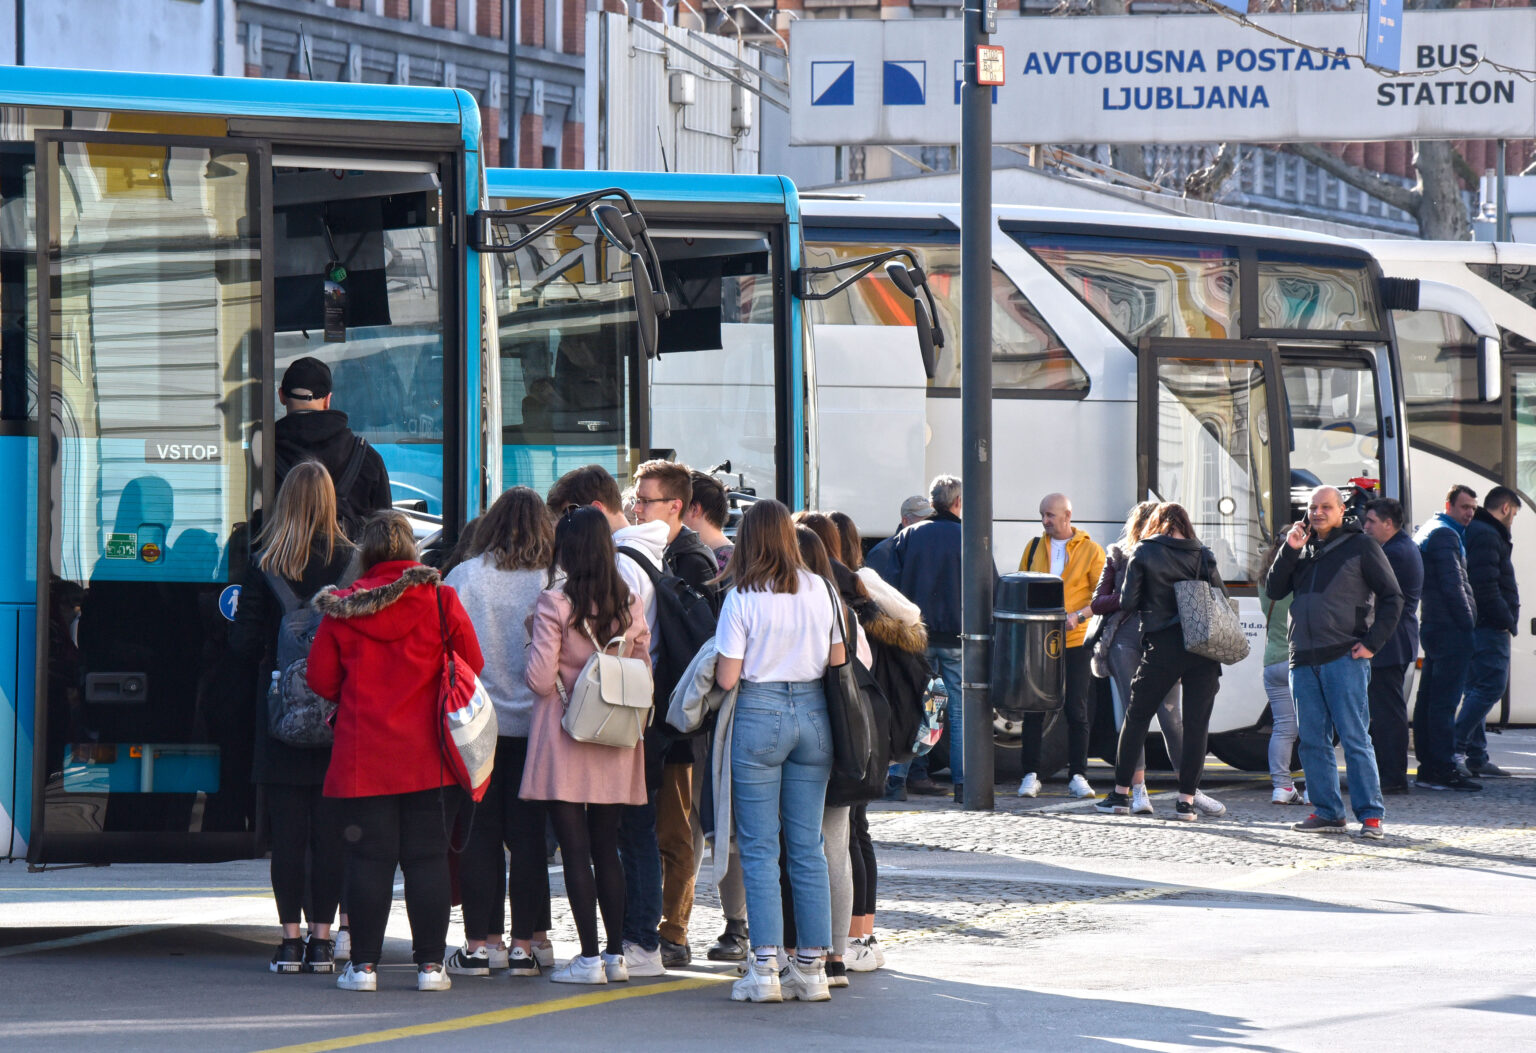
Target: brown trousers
674	834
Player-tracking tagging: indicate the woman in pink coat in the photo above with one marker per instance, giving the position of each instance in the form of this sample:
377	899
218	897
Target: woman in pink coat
585	784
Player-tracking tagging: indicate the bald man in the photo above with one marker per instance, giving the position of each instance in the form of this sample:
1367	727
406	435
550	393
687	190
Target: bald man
1074	557
1338	576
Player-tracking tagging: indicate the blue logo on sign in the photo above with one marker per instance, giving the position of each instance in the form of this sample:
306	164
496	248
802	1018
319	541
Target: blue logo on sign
229	601
906	83
832	83
960	82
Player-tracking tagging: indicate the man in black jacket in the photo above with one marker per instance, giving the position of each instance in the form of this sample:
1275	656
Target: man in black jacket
1337	574
311	430
1389	706
1448	620
1491	572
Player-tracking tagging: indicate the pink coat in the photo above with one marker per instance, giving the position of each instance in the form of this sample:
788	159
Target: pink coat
559	768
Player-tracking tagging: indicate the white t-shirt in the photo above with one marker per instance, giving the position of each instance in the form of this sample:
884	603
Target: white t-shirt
1058	557
780	636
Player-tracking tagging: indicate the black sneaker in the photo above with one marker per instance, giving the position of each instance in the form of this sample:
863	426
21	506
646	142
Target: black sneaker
1186	811
319	955
521	963
925	788
289	956
1113	803
1431	782
1316	824
1459	781
731	946
675	955
894	791
837	974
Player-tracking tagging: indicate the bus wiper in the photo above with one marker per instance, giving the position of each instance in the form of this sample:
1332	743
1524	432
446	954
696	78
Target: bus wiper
489	231
908	278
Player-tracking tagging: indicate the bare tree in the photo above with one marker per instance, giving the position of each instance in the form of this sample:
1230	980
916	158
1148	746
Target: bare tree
1203	184
1434	201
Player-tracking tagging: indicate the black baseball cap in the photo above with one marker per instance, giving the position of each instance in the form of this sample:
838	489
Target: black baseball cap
307	378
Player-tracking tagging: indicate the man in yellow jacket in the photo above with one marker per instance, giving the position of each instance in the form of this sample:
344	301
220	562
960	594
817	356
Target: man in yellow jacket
1075	558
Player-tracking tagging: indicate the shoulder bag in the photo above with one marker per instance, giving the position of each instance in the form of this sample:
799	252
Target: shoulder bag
1209	620
848	710
611	702
466	718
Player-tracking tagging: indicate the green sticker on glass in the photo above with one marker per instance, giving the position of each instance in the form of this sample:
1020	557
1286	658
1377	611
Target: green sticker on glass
122	546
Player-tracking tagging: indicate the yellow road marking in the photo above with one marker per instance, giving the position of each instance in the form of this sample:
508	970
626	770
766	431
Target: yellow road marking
500	1016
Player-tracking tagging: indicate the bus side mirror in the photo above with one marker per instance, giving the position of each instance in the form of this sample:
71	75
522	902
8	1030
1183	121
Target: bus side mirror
1490	368
646	315
927	336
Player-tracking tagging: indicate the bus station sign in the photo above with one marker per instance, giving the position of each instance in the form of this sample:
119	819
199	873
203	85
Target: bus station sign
1162	78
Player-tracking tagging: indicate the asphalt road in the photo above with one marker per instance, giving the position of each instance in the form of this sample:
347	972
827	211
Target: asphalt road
1043	926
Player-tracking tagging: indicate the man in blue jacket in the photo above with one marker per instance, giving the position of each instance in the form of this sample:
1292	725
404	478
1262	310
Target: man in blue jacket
1389	707
1446	633
925	567
1491	570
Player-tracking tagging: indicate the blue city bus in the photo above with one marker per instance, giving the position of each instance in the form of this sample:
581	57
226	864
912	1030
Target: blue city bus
195	235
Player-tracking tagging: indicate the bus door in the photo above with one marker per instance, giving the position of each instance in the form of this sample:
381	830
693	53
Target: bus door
151	316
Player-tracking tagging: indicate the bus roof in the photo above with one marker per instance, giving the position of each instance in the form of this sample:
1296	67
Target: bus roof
1126	224
238	96
644	186
1512	252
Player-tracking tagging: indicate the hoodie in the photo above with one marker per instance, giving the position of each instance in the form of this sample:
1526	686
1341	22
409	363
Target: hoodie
379	656
650	539
325	436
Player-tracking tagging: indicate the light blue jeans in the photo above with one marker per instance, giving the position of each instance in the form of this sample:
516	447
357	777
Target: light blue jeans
1282	735
1328	697
781	759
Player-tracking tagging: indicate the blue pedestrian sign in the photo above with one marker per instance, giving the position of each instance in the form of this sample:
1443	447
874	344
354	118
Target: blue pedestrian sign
229	602
832	83
905	83
1384	33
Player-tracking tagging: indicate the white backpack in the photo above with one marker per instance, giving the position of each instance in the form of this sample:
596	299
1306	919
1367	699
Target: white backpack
611	703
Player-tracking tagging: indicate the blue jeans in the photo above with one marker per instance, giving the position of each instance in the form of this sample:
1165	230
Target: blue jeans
1282	736
641	855
945	662
1487	677
781	758
1441	682
1334	697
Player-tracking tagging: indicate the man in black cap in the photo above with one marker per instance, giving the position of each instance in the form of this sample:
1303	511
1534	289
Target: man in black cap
311	430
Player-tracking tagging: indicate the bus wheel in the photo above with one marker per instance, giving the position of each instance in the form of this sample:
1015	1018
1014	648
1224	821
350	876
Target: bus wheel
1243	750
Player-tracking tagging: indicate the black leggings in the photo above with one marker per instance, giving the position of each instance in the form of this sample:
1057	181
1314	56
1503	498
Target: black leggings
589	841
308	860
865	871
408	831
1164	663
505	819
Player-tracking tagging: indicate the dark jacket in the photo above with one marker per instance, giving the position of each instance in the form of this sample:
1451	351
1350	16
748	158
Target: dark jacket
1335	582
1449	610
690	559
1408	568
1491	573
324	436
1160	562
925	567
253	639
878	558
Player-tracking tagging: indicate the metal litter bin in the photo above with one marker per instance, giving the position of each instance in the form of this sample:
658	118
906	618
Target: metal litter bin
1029	633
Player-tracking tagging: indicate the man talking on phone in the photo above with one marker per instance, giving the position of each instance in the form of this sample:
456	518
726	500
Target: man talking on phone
1337	575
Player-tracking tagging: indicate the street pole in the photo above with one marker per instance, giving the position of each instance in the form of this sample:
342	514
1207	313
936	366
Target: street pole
976	408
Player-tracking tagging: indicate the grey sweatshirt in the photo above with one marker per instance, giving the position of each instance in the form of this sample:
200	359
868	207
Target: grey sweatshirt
499	603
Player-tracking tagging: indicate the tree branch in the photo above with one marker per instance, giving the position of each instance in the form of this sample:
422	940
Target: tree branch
1366	181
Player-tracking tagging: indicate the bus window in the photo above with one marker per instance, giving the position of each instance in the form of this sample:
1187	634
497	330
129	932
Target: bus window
380	326
1523	396
1335	430
1297	293
1142	288
18	391
1438	355
1027	355
1213	456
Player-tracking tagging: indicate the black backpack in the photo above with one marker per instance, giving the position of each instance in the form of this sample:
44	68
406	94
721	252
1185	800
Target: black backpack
685	621
348	513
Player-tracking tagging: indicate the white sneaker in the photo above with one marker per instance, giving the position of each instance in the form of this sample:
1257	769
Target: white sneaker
581	970
874	945
1078	786
497	957
432	977
544	954
1287	795
341	949
805	982
1030	787
642	962
463	962
614	967
356	977
1141	804
761	984
860	957
1208	805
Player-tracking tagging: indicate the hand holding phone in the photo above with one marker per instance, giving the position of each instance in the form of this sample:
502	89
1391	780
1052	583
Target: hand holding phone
1298	534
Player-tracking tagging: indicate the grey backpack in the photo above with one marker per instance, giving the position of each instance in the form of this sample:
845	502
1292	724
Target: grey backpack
295	714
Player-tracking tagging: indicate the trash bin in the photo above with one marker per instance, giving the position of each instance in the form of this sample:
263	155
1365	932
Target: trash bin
1029	631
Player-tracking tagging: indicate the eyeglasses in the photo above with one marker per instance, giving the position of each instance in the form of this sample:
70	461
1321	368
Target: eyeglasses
654	500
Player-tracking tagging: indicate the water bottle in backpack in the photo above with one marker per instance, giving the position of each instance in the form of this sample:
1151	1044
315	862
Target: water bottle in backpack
295	714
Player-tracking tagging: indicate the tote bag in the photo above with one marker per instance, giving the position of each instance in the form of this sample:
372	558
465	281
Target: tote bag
1209	620
849	712
467	719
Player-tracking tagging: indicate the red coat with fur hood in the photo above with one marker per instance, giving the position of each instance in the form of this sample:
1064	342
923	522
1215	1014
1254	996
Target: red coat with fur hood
379	656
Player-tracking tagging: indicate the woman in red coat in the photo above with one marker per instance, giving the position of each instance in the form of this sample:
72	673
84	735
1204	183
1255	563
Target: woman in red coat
379	655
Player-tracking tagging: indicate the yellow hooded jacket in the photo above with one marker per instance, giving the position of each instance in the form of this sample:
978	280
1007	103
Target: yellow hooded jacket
1085	562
